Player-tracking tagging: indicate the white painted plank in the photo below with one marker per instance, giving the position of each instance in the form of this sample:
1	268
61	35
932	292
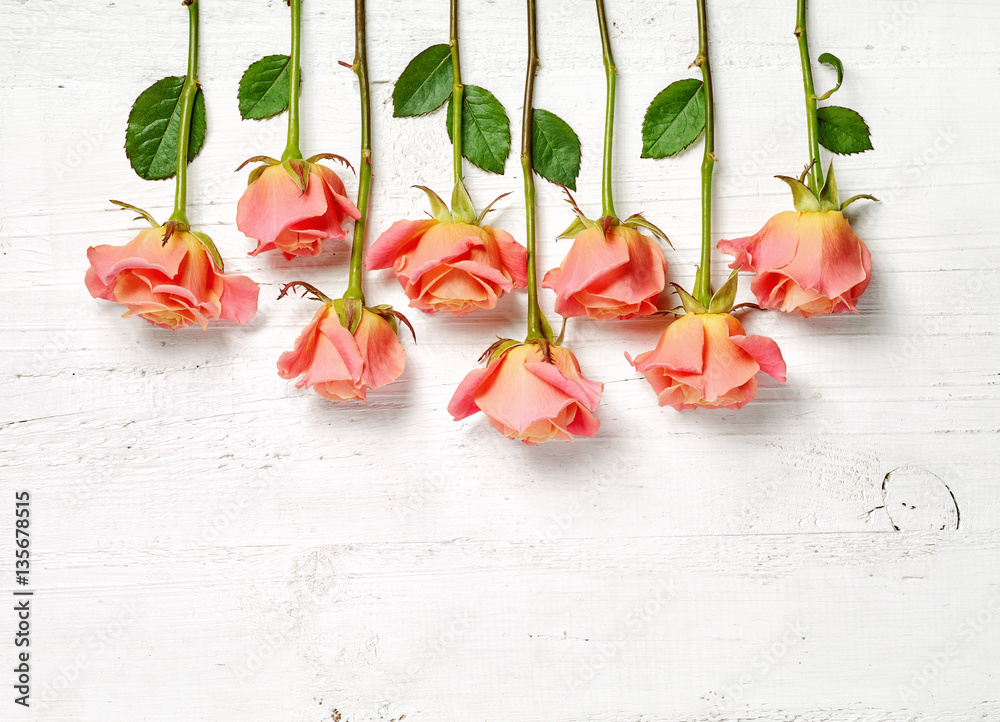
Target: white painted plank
197	516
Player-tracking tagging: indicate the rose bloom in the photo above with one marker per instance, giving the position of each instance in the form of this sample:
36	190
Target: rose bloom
706	360
450	266
525	397
806	262
170	285
282	217
342	366
618	274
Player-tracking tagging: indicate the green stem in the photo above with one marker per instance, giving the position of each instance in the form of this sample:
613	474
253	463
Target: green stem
188	94
456	95
812	119
292	146
703	281
360	68
611	75
536	322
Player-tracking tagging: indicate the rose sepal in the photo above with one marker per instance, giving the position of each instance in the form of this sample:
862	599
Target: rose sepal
142	214
639	222
724	299
689	302
498	349
462	210
212	249
392	316
806	201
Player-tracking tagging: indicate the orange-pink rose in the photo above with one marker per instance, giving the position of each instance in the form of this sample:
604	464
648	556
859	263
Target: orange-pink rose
806	262
530	398
706	360
450	266
281	216
614	274
172	284
341	365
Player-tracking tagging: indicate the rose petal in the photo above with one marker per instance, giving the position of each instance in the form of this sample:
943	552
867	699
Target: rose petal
295	362
388	246
828	259
381	350
337	355
513	256
765	352
680	348
591	256
239	298
273	203
463	402
726	364
146	250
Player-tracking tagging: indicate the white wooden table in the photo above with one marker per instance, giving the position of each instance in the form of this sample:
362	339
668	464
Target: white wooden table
212	544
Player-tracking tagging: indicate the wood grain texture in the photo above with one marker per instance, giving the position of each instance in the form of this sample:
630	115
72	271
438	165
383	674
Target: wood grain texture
213	544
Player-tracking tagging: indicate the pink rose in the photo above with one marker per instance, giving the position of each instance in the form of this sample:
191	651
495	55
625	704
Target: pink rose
341	365
450	266
807	263
614	274
528	397
282	215
706	360
172	284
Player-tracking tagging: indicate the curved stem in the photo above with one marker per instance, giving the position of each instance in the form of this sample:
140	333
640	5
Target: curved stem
188	94
360	68
812	119
292	146
456	95
536	322
611	76
703	281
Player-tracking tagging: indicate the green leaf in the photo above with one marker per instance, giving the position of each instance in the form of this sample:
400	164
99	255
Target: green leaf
154	125
264	88
834	61
485	129
843	131
555	148
424	84
674	119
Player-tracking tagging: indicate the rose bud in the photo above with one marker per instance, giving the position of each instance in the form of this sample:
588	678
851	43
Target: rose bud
611	271
342	364
451	262
171	277
807	261
293	206
706	360
531	391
